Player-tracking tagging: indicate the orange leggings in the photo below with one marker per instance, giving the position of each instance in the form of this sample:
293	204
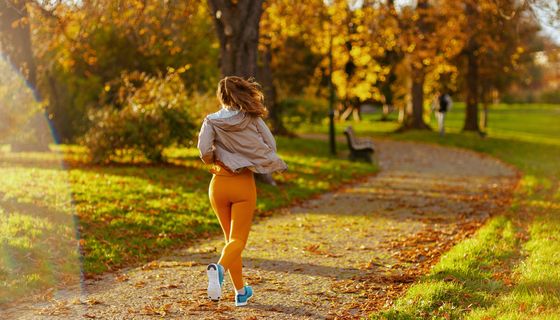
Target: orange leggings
233	198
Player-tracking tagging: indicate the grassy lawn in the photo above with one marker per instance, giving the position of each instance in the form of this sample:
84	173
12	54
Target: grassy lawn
125	214
511	268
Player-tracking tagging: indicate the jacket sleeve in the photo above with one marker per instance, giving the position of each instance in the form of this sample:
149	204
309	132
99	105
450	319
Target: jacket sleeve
266	134
206	142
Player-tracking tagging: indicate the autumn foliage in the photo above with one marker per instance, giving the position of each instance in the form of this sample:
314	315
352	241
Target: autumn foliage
393	55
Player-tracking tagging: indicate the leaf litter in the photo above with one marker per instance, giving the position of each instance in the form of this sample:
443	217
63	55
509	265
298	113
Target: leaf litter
340	256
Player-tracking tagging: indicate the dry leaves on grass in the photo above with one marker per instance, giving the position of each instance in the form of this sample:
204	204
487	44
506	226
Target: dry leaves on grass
169	264
314	249
57	308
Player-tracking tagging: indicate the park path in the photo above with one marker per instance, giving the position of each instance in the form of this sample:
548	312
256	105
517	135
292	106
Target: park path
342	255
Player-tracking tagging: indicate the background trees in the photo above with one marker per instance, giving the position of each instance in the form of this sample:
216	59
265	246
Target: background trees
73	53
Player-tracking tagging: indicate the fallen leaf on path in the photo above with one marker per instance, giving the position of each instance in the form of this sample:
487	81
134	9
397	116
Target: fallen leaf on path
169	286
122	277
92	301
156	311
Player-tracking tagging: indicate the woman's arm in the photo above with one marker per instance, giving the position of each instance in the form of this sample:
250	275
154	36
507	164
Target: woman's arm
206	142
266	134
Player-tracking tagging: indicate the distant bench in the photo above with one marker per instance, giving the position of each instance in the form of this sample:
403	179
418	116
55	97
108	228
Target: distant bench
360	148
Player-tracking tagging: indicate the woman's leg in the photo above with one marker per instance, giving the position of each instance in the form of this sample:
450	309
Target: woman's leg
224	216
241	220
223	212
236	273
235	218
220	205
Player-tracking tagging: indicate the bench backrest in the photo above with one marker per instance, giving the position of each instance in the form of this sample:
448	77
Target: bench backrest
350	137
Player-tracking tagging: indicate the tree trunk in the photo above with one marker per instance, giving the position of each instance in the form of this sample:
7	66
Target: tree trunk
15	39
237	26
415	120
471	110
264	76
385	112
15	42
471	117
417	117
402	115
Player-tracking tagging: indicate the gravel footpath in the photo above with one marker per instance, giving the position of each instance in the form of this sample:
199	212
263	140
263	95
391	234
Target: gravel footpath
342	255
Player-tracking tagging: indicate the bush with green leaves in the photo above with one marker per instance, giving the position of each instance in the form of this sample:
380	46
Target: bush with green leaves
140	114
303	110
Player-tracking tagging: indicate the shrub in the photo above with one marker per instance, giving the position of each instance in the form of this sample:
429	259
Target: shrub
297	111
141	114
202	104
551	96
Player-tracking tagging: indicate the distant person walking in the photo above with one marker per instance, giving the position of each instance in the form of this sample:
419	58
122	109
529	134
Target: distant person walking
443	105
238	143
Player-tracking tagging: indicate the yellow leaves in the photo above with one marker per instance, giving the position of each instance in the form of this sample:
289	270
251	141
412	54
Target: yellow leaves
361	55
359	14
363	60
410	48
184	68
371	77
362	90
332	11
171	70
339	79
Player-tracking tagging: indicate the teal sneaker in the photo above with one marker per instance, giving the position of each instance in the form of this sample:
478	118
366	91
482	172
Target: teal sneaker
215	273
241	299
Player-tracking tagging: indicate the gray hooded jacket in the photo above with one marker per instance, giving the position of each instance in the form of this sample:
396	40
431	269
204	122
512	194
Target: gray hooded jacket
239	141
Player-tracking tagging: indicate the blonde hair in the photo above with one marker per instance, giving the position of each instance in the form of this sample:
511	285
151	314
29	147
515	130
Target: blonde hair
245	95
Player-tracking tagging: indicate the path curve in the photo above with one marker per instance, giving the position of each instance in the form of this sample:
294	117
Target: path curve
342	255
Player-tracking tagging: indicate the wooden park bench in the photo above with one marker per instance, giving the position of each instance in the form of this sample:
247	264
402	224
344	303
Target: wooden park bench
360	148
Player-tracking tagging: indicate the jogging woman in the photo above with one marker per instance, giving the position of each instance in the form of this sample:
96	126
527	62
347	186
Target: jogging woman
238	143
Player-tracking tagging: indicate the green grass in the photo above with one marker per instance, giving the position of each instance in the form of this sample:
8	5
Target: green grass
126	214
510	269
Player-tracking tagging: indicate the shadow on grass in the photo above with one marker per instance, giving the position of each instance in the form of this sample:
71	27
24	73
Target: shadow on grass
38	249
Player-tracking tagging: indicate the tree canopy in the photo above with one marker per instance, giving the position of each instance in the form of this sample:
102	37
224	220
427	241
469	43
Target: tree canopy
73	53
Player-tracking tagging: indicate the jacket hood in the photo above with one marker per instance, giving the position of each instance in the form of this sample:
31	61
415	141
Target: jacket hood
229	120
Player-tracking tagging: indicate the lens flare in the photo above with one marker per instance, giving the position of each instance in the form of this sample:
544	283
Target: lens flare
39	252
